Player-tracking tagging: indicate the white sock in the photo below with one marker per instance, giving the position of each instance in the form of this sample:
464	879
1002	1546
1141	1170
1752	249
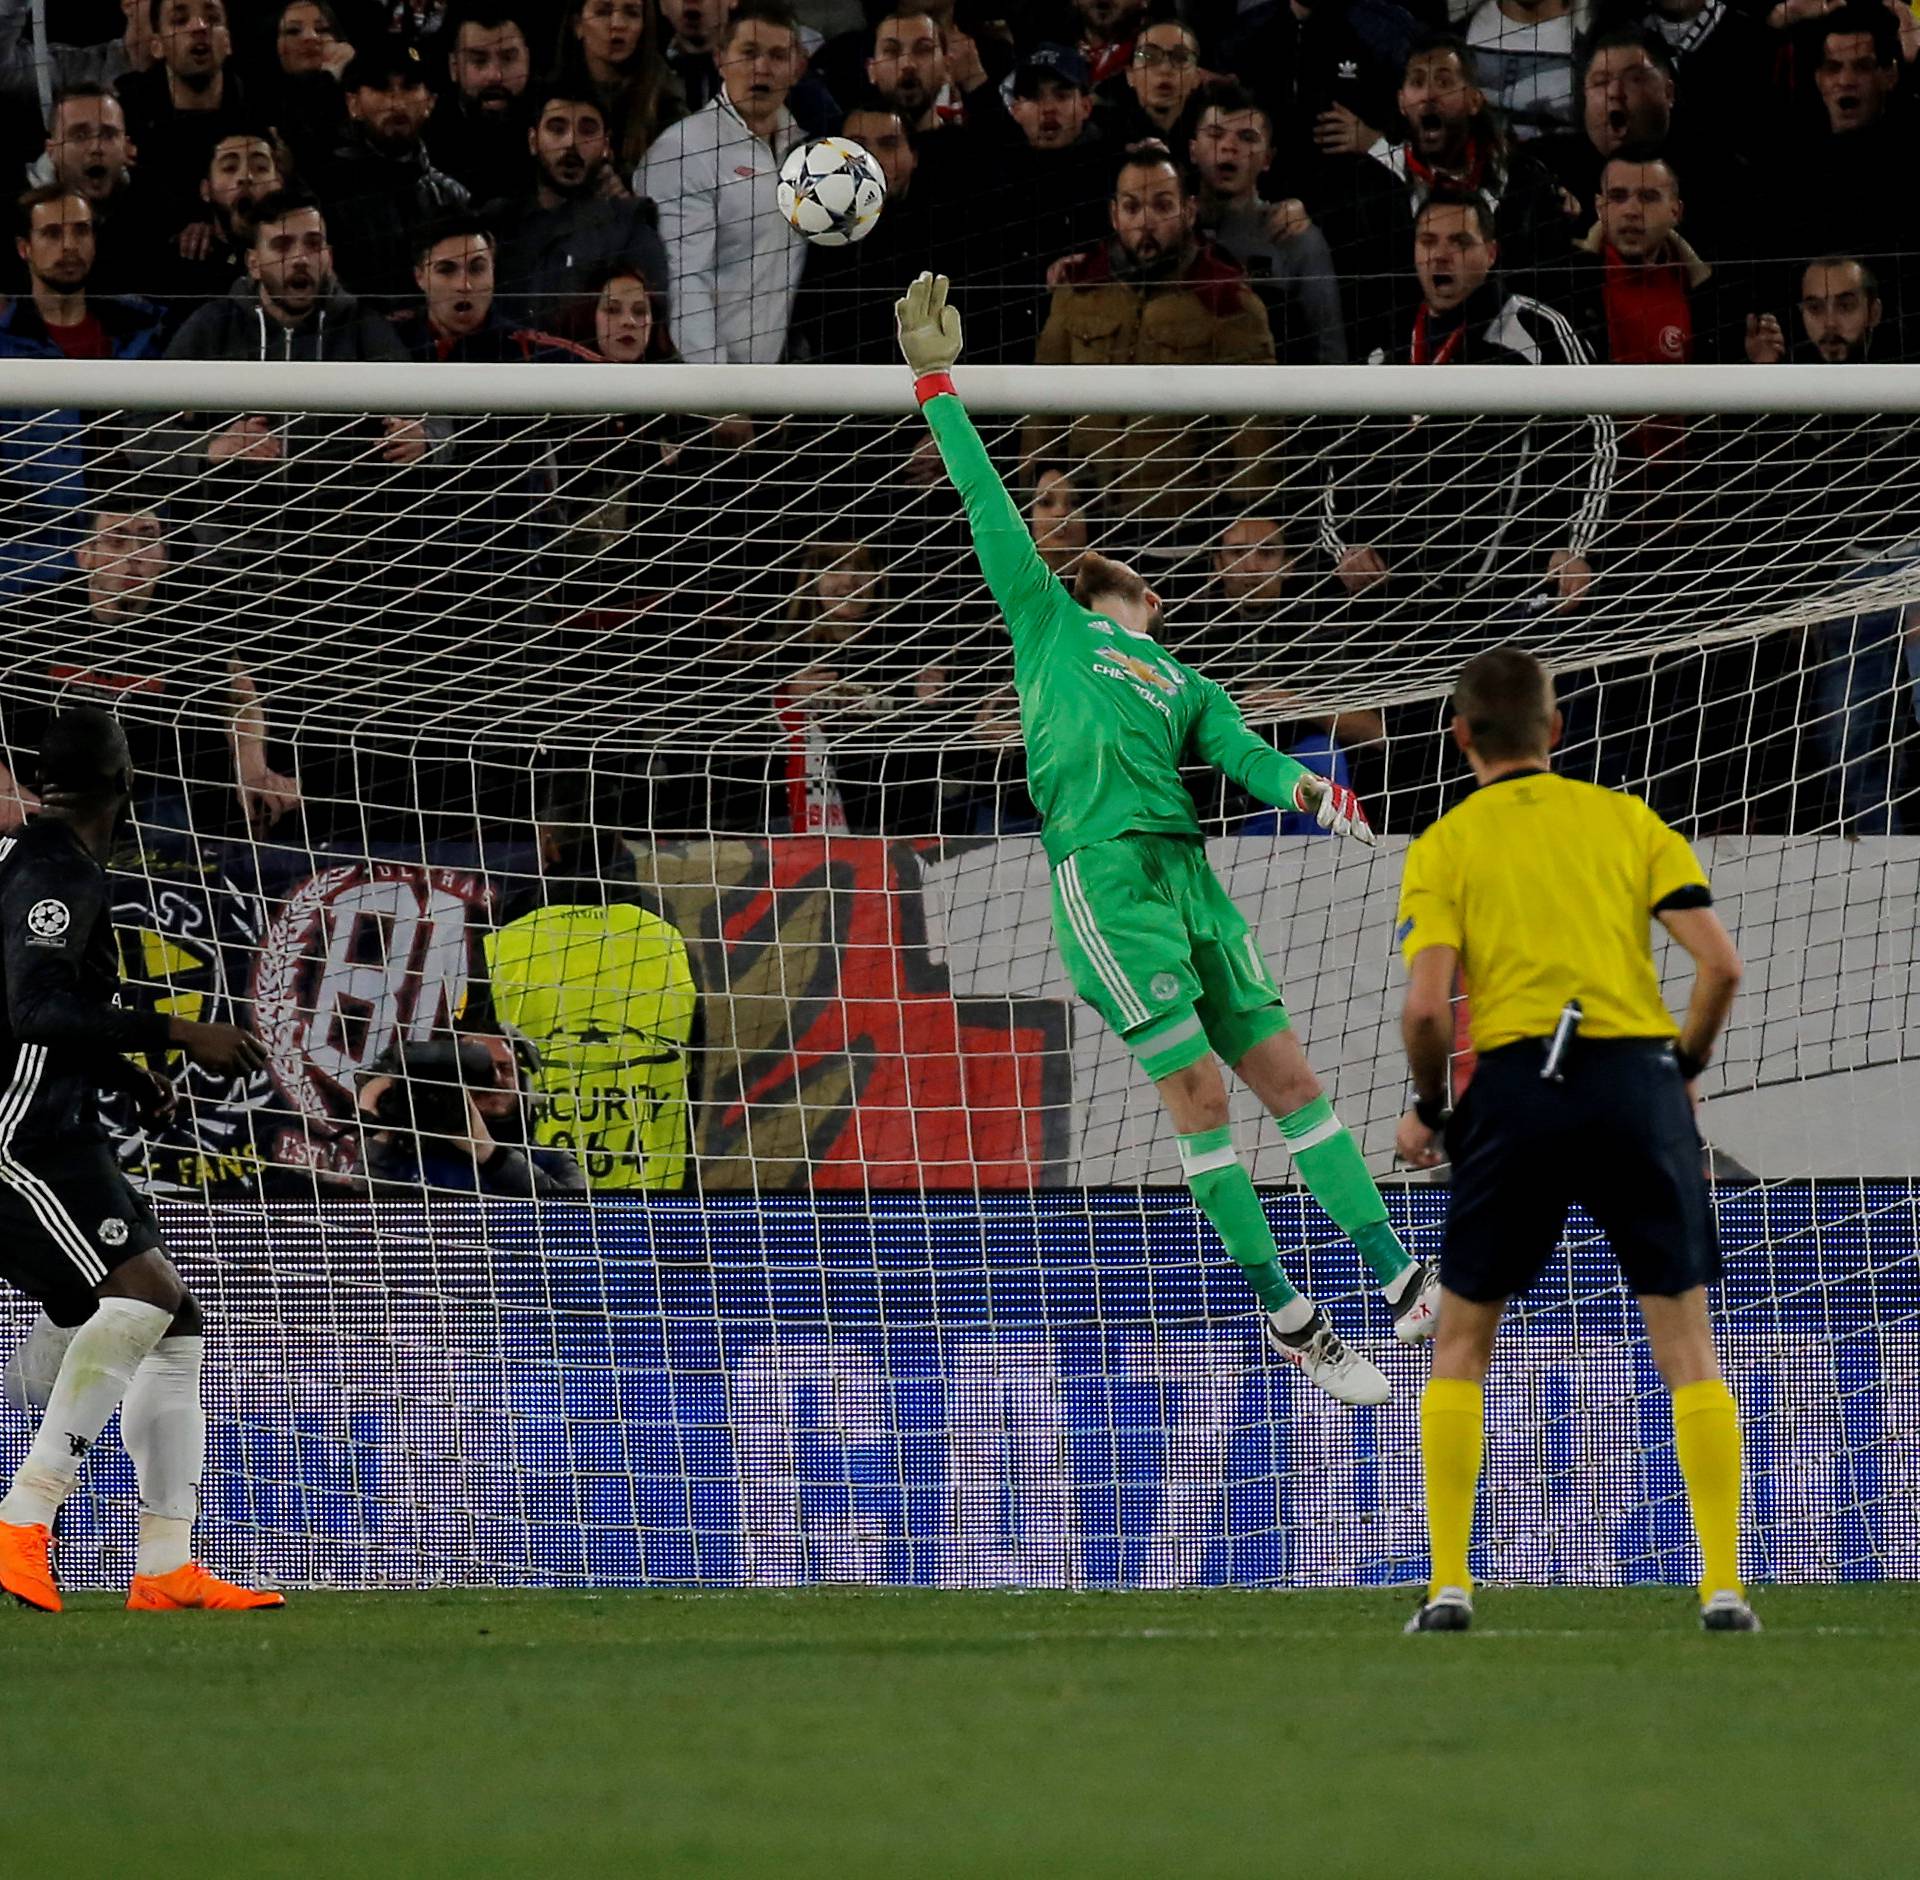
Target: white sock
34	1363
1294	1314
164	1427
94	1375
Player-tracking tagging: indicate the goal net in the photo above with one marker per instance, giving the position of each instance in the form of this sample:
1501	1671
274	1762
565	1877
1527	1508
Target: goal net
680	1158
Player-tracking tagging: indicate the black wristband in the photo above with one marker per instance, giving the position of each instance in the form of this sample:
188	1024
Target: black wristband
1690	1066
1432	1112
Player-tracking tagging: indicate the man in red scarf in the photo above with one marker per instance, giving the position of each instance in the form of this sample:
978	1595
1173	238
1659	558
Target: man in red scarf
1455	143
1651	300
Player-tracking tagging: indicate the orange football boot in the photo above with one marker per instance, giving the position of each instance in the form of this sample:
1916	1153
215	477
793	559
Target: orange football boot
26	1566
193	1589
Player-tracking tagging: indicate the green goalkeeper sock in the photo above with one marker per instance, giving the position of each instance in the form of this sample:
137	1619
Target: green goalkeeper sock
1330	1164
1223	1192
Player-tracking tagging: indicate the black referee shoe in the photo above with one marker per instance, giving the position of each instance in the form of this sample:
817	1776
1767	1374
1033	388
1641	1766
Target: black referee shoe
1449	1610
1728	1612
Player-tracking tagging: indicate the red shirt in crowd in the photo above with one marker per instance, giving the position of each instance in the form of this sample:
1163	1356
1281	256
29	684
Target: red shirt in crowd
1649	312
86	340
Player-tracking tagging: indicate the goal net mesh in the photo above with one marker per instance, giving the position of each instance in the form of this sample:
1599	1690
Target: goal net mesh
782	1219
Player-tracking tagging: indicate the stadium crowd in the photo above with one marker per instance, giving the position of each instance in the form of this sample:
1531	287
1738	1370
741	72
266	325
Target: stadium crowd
1106	181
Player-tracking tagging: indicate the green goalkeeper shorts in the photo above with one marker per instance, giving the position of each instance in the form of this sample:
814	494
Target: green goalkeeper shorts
1155	945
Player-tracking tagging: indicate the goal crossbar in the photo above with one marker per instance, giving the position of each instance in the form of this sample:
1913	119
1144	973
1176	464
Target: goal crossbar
1356	391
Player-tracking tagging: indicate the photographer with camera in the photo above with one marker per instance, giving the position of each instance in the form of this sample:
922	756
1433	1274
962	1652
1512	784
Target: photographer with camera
450	1113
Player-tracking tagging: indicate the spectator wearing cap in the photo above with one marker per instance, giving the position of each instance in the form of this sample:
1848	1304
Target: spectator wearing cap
1155	293
180	108
1286	259
1471	520
735	262
478	130
1150	98
45	455
380	188
578	219
1040	191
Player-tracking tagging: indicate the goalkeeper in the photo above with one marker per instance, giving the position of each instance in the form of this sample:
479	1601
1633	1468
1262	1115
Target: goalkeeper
1149	937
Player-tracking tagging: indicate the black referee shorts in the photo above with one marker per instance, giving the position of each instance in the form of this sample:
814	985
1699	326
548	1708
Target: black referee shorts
1617	1136
65	1223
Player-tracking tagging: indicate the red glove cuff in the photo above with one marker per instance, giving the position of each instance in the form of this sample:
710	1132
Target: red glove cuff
931	385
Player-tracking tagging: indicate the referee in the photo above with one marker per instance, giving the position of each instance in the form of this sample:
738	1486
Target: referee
1538	892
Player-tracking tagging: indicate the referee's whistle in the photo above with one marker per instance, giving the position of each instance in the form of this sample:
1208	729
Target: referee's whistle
1553	1071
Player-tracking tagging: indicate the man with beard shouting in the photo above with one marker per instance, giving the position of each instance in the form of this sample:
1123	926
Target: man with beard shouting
1156	294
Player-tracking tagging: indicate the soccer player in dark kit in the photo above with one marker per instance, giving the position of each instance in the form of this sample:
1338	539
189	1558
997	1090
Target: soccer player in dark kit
74	1235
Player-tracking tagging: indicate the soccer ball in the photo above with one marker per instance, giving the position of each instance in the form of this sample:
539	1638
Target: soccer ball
831	191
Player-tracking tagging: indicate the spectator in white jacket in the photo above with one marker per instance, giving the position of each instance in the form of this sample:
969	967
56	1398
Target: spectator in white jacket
736	262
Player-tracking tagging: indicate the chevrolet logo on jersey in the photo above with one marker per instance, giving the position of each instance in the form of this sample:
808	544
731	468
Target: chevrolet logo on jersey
1143	670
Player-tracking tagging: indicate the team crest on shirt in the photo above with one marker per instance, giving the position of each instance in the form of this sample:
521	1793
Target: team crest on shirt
1163	986
1142	669
47	923
112	1232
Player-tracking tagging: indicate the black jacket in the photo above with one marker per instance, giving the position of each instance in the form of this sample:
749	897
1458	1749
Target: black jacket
1466	505
375	207
62	1028
484	151
1028	208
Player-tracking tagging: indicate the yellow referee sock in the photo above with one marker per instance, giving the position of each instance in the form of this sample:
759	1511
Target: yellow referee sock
1706	1433
1453	1443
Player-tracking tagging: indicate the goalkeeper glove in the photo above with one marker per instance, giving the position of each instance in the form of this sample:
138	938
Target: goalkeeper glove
929	328
1333	806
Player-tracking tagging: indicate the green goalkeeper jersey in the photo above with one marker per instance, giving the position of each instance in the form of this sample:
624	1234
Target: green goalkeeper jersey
1108	715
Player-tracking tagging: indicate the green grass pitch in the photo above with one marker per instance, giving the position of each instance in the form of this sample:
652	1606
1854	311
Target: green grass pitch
921	1734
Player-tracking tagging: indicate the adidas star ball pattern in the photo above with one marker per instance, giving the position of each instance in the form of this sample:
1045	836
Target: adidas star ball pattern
832	191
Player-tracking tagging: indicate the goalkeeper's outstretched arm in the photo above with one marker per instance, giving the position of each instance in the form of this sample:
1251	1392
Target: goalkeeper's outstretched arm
1221	737
1029	595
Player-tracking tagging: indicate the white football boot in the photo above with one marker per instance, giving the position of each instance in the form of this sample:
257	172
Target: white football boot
1417	1311
1318	1354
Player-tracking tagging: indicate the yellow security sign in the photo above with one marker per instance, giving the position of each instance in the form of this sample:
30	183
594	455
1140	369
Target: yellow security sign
607	994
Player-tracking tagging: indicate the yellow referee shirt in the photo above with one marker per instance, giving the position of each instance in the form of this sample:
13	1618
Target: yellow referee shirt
1547	888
